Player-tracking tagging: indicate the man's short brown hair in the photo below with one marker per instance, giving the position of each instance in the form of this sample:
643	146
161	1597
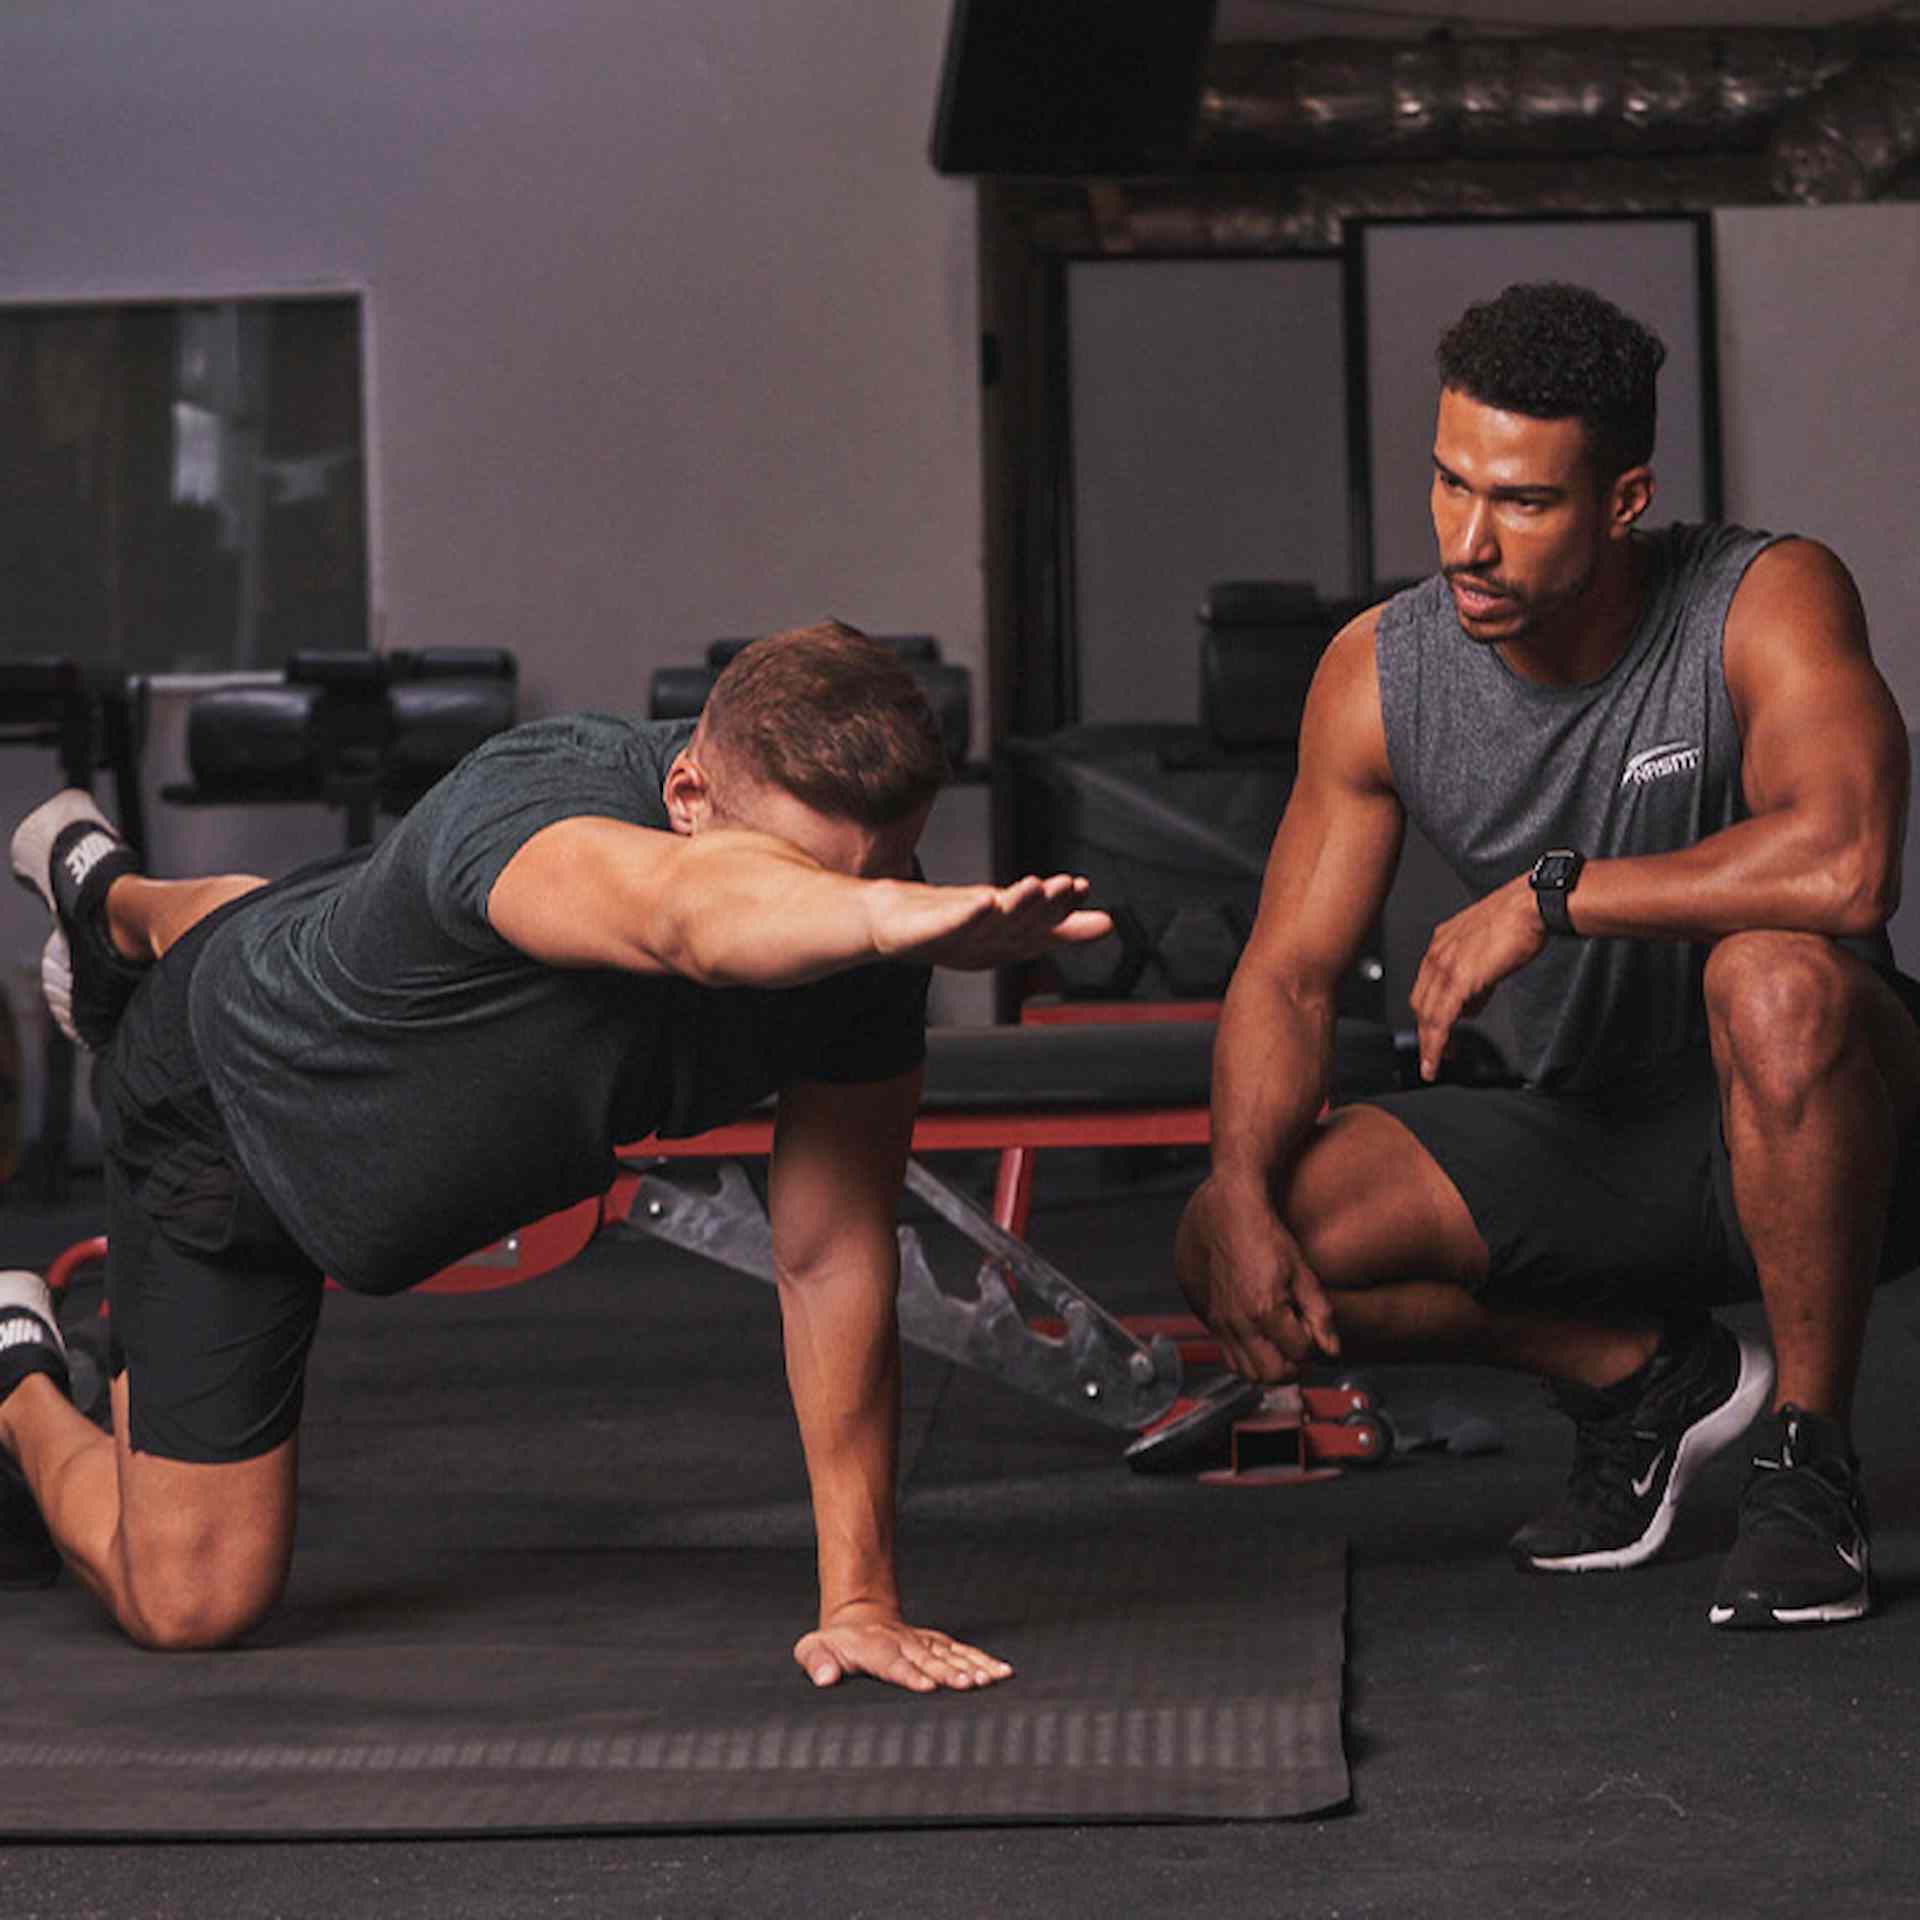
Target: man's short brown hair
833	718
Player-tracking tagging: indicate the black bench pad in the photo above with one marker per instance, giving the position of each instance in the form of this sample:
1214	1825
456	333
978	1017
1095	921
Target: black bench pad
1160	1063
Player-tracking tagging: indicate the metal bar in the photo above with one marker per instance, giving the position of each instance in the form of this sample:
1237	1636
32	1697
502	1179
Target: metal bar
1093	1367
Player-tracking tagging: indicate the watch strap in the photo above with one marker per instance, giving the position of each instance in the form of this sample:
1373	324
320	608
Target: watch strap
1552	902
1555	875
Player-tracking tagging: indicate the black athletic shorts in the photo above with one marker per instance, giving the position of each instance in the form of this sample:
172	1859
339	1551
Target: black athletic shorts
212	1306
1620	1199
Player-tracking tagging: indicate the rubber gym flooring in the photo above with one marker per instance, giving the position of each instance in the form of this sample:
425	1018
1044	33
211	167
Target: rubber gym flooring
1516	1745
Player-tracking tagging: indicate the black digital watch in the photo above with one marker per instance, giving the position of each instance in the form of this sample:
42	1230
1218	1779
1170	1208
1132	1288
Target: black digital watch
1554	876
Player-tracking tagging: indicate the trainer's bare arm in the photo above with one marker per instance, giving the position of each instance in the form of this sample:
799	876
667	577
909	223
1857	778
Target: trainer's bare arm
1327	876
839	1156
732	907
1825	766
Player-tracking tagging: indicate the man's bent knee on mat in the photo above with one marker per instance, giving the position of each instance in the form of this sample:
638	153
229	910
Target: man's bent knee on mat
1675	786
591	931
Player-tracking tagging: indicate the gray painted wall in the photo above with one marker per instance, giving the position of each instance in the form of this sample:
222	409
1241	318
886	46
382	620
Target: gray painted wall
673	327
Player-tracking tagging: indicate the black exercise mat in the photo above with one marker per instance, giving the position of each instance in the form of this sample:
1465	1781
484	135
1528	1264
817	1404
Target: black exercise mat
555	1549
632	1690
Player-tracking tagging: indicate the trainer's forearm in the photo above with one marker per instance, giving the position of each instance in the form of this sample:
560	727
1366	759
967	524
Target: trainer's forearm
843	1370
1272	1068
1799	870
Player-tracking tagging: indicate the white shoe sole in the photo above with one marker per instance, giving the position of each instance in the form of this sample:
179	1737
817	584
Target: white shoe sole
56	984
1855	1606
1698	1445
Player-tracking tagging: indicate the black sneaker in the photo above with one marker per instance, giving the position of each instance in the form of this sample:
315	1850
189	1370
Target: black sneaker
68	852
1802	1556
1632	1464
29	1343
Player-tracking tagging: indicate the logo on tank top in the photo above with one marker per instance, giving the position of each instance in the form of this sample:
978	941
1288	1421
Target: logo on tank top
1660	763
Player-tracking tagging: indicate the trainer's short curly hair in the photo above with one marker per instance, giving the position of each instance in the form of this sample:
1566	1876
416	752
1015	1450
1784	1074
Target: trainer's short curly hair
1561	352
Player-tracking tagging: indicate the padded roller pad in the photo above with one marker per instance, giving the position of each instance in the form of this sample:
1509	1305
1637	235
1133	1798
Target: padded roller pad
346	672
254	737
439	722
678	693
1254	681
1258	603
278	742
455	663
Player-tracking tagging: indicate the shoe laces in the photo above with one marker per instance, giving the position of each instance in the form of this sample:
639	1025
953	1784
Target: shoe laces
1607	1454
1793	1493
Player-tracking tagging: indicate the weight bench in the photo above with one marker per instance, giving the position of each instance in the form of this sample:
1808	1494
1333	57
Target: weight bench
1061	1079
1132	1078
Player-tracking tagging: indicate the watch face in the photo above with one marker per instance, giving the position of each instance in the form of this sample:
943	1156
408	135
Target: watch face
1555	871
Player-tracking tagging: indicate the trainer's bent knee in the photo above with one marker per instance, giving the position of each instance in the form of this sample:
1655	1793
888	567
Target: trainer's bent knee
1781	1007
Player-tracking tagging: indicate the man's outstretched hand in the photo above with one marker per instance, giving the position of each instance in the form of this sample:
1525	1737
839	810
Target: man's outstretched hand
975	928
867	1640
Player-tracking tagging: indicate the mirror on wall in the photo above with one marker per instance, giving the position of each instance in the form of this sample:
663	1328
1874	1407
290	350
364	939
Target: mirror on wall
182	483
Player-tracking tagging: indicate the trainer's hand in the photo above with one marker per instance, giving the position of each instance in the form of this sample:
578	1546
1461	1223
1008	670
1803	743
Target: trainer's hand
1466	959
975	928
867	1640
1243	1273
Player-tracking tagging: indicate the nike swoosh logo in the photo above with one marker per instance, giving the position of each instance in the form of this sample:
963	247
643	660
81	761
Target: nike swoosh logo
1644	1483
1855	1557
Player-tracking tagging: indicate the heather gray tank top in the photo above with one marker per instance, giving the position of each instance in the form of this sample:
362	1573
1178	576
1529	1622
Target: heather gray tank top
1495	770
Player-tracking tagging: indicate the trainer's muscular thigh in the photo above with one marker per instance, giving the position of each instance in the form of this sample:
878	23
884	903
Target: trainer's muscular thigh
1370	1206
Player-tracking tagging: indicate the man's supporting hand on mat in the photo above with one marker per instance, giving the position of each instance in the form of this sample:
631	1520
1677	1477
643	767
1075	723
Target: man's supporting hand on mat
874	1640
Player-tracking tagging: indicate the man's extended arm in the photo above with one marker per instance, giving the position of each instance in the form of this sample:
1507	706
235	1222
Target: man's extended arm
834	1185
1332	860
1825	765
731	907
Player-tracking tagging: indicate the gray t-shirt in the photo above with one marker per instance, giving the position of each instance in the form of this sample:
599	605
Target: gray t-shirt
404	1086
1496	770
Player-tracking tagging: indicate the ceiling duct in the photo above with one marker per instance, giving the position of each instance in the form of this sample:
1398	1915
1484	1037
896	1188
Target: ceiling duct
1849	140
1836	110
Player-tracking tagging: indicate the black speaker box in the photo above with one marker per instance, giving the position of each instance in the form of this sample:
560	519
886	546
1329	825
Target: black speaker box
1052	88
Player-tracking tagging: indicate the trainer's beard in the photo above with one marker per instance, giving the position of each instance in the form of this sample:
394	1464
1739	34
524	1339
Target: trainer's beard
1533	613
